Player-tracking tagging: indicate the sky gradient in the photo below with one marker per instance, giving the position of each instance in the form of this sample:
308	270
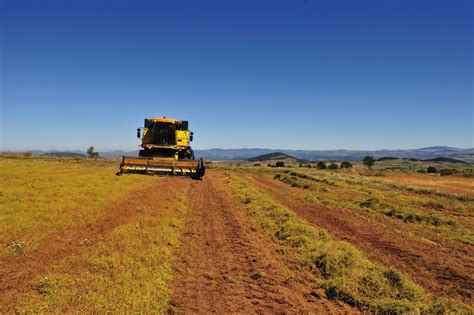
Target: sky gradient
271	74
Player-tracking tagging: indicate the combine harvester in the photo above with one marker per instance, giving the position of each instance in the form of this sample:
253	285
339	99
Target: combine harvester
165	150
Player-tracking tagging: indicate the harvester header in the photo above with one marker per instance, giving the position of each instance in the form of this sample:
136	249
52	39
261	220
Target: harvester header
165	149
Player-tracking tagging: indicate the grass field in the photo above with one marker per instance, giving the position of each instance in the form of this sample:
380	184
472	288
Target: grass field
44	195
75	238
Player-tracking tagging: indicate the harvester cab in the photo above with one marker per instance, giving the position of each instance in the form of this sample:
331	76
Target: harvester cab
165	150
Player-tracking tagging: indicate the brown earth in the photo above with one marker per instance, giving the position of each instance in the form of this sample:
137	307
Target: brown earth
227	264
17	272
444	268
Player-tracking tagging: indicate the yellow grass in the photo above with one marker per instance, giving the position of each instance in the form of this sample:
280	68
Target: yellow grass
128	272
450	184
346	273
448	213
40	195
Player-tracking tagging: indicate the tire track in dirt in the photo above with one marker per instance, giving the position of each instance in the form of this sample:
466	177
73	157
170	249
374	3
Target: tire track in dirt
17	272
227	264
443	271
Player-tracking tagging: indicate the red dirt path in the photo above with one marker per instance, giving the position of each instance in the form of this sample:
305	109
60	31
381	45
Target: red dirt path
227	264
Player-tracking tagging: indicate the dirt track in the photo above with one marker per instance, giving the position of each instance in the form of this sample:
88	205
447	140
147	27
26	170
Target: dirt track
227	264
444	270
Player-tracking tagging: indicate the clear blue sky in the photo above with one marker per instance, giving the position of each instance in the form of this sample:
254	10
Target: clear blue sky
274	74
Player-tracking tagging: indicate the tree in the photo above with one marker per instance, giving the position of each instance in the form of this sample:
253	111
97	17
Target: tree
346	164
432	170
91	153
369	161
321	165
333	166
280	164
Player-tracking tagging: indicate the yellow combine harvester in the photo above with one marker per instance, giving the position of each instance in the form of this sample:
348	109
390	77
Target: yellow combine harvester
165	150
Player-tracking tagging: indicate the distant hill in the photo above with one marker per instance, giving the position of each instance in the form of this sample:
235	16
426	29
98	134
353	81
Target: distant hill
438	159
118	153
64	154
466	155
103	154
277	156
445	159
387	158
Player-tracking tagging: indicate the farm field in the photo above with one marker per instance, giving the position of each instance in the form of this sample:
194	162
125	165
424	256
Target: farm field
75	238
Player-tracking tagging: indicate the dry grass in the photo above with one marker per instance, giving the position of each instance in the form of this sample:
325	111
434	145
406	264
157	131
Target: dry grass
41	195
448	213
346	273
124	269
449	184
129	271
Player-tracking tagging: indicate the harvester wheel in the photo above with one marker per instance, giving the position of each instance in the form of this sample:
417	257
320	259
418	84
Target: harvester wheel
200	171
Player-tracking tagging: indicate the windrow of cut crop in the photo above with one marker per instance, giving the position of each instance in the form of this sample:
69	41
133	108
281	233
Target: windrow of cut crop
401	205
359	180
345	272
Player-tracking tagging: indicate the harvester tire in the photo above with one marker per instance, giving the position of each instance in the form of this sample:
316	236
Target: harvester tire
200	171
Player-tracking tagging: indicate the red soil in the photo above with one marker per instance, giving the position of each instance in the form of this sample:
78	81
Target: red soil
227	264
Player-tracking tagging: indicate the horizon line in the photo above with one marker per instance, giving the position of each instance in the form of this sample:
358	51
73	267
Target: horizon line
249	148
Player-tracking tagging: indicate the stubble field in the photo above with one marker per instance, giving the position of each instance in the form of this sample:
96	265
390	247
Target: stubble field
75	238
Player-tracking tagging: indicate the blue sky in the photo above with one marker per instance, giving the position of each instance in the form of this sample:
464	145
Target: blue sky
273	74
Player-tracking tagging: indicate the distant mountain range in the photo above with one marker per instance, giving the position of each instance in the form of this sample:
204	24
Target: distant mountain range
64	154
466	155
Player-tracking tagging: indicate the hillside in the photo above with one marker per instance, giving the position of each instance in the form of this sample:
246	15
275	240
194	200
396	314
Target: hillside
445	159
64	154
441	159
276	156
466	155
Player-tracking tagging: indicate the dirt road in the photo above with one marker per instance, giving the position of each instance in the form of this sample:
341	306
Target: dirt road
227	264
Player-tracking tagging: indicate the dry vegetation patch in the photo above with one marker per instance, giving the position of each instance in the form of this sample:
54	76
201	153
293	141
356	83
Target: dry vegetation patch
86	240
449	214
130	270
42	195
450	184
346	273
